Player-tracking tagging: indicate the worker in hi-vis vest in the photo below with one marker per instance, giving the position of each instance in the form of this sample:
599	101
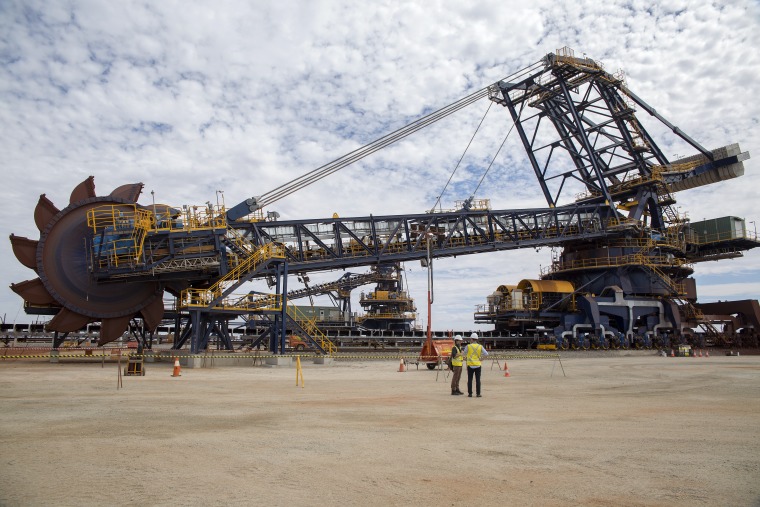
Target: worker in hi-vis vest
456	365
473	355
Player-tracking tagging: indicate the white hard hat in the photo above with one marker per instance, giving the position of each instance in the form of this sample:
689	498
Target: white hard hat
458	337
474	336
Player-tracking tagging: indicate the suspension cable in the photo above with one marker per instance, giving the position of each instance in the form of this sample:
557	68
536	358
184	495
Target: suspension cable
359	153
438	200
492	161
482	178
384	141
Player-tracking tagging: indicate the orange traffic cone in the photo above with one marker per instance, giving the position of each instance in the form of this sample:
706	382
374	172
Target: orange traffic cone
506	369
672	353
700	352
401	366
707	353
177	369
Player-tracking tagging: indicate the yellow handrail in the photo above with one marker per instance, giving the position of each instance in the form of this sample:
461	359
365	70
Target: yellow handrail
388	315
310	326
266	252
123	228
204	297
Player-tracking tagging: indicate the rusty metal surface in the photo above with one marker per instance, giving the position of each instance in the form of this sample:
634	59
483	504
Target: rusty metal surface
25	250
112	329
60	260
66	321
153	313
129	192
83	191
34	292
62	265
748	308
44	212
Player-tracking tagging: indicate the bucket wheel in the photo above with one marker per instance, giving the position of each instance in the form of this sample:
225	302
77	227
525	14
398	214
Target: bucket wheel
60	259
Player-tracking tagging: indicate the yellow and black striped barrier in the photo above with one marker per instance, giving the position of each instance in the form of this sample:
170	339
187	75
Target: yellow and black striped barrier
170	356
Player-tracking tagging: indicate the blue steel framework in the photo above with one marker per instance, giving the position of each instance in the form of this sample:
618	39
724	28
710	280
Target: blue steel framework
336	243
578	126
581	135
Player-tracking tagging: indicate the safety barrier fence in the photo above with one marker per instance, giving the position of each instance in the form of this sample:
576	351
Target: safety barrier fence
410	357
86	351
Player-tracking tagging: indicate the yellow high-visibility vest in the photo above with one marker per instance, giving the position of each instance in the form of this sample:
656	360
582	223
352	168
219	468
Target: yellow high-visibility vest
456	361
474	351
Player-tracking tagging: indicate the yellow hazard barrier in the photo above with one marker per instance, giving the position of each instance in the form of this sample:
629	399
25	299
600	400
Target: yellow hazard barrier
299	371
170	356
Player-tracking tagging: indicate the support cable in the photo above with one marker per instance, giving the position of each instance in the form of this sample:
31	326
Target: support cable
491	164
438	200
472	197
359	153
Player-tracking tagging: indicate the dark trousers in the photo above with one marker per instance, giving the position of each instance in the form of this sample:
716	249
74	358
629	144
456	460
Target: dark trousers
470	372
455	377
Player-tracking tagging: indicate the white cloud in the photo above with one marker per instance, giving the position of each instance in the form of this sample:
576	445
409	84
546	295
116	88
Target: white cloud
244	96
728	291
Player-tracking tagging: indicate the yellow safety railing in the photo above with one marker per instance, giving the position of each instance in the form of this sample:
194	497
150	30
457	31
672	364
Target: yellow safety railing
123	227
238	239
668	239
398	297
169	219
486	309
636	180
256	216
265	253
630	182
531	301
388	315
681	166
622	260
474	205
566	55
309	324
675	287
204	297
119	232
690	311
200	298
717	237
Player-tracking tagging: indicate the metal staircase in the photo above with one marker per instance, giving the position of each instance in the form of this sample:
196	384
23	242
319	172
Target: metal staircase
306	327
241	273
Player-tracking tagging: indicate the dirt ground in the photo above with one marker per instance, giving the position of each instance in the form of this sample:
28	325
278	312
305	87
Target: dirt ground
635	430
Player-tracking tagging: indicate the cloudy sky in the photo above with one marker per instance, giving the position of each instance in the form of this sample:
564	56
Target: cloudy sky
245	95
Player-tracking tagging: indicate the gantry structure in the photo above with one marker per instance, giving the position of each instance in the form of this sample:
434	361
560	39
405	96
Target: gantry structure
623	273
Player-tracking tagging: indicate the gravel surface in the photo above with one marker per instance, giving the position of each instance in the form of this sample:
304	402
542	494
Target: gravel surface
628	428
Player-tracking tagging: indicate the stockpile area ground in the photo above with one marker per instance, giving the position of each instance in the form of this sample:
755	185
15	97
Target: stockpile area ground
625	430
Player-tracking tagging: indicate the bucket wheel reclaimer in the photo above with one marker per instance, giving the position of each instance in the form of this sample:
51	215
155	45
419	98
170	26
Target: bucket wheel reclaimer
60	259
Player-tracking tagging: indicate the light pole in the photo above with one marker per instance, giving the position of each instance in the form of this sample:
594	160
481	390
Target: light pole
754	229
430	290
153	197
